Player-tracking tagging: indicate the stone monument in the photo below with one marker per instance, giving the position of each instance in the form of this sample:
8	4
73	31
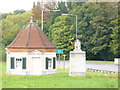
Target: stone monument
77	65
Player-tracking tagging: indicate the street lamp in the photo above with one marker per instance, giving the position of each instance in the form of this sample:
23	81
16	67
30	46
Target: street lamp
76	22
43	15
64	62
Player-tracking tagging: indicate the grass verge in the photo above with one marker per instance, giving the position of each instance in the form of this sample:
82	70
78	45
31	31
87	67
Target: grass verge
99	61
60	80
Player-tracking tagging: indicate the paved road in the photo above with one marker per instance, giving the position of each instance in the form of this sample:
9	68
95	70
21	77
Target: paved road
98	66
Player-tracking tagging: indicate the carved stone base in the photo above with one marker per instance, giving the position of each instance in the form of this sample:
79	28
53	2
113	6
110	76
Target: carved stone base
77	66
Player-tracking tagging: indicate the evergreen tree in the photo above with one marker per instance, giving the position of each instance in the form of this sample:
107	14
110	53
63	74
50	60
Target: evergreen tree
115	44
19	11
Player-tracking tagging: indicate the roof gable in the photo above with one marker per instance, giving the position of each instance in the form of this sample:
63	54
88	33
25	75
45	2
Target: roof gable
31	37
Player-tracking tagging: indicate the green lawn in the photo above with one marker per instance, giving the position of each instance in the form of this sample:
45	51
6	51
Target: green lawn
100	61
60	80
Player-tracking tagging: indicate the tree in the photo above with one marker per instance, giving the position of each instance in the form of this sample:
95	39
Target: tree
63	33
102	36
19	11
115	44
94	28
62	7
4	15
12	24
37	10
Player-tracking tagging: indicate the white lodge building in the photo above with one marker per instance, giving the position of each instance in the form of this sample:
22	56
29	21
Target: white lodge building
31	53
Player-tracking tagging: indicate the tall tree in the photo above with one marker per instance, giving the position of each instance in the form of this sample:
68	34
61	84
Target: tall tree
12	24
62	6
115	44
93	27
102	36
19	11
36	11
63	33
46	7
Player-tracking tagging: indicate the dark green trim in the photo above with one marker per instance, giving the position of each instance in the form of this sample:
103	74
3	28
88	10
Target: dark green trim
54	63
46	62
24	63
12	63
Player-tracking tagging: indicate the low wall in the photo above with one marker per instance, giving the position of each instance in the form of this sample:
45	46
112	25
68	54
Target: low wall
117	60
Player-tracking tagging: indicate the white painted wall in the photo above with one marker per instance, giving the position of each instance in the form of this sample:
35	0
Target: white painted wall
36	62
29	62
116	60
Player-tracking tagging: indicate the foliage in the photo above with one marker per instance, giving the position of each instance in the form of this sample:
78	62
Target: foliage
62	7
4	15
11	26
91	61
98	28
19	11
61	35
115	44
3	53
94	28
102	36
37	10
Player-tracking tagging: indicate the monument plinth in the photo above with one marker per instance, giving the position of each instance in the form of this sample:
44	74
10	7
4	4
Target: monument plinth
77	61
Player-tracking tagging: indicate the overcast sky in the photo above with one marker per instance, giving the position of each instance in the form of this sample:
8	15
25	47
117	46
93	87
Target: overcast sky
11	5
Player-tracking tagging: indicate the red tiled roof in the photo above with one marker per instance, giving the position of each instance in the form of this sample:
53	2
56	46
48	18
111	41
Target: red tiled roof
31	37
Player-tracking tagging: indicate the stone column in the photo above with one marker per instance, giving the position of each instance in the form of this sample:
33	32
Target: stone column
77	65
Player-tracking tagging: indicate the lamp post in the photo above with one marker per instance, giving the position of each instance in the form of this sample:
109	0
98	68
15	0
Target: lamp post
76	22
64	62
43	15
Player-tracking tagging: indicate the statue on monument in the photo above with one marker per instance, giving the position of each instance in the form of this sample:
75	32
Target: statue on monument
77	45
77	60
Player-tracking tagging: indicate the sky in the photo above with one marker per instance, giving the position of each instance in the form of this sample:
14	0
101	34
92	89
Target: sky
7	6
